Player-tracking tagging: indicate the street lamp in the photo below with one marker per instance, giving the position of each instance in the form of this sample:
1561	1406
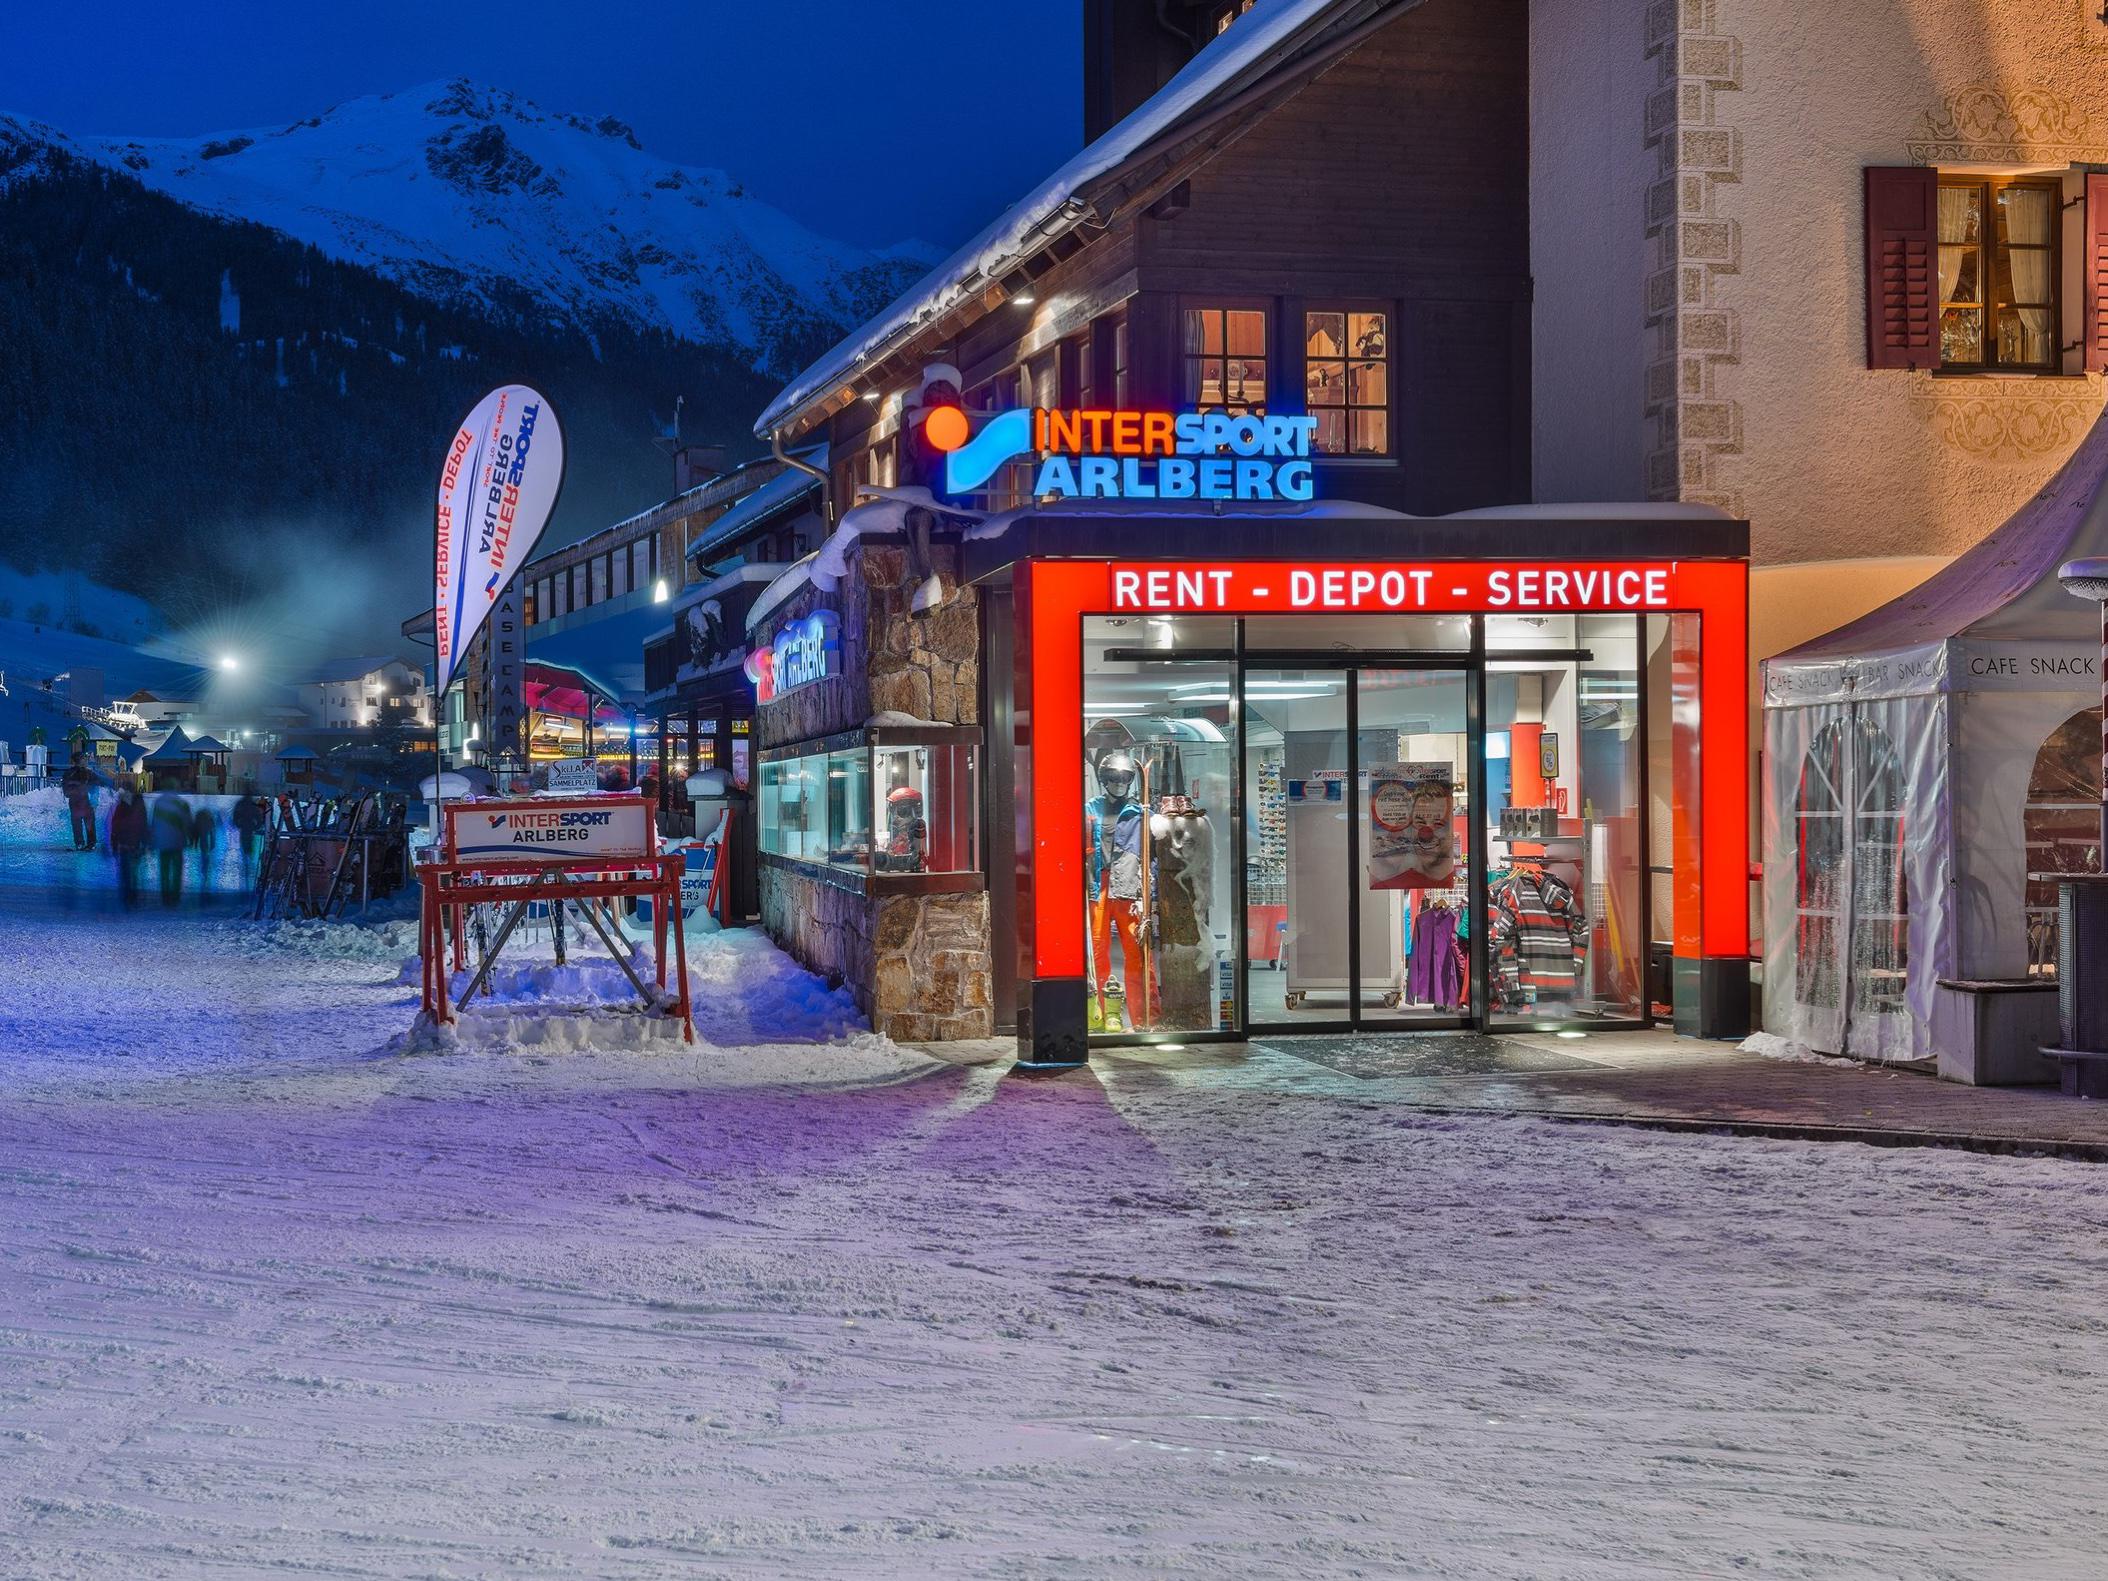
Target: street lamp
2088	579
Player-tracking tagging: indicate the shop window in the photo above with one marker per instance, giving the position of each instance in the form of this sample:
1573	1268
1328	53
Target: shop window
618	573
597	572
1347	380
1160	798
1998	274
529	606
640	561
2062	828
1082	356
1120	379
1564	823
889	802
1224	352
559	587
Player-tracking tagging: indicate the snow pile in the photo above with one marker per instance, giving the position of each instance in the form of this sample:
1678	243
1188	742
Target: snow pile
380	938
746	994
34	817
746	990
1771	1046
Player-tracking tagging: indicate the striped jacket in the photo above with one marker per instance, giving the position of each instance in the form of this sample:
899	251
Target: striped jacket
1539	936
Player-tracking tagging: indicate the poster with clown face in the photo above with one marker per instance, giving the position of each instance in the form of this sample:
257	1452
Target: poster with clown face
1412	826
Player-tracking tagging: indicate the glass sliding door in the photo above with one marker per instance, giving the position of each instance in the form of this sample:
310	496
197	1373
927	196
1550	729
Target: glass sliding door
1295	859
1356	848
1412	884
1564	828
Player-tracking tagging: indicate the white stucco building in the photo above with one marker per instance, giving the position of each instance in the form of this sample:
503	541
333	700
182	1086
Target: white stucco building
365	693
1701	255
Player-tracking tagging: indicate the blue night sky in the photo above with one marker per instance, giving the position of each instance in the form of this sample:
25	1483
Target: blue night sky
872	120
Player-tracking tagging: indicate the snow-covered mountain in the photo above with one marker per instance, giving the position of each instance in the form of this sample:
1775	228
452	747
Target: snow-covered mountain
473	196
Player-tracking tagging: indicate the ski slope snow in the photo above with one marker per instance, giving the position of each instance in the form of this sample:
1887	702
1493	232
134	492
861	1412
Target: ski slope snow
276	1301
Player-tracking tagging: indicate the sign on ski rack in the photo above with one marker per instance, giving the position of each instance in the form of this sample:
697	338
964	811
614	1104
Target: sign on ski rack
571	855
549	828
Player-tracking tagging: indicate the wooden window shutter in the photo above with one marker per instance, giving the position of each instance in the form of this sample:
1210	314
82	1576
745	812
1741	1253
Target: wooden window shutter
2093	331
1902	266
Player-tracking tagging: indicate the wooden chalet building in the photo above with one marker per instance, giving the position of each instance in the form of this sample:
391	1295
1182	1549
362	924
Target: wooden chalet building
1116	765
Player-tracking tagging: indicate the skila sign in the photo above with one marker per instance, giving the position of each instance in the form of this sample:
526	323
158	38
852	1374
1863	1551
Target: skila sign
1122	455
804	651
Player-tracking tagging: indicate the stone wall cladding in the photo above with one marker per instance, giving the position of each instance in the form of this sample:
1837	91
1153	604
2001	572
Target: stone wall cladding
925	665
826	929
919	965
1695	335
931	969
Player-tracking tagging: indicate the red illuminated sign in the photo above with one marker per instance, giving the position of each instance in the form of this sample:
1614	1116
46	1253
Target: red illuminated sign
1534	588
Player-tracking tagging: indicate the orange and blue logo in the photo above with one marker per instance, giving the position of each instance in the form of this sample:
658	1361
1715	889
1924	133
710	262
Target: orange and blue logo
1099	454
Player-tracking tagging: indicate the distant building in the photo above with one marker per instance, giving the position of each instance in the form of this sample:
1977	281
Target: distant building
364	694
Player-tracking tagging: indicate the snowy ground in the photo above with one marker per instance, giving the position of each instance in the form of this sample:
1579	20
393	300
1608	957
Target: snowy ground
276	1301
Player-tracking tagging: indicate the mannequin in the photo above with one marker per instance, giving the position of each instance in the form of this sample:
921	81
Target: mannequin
907	832
1116	885
1185	858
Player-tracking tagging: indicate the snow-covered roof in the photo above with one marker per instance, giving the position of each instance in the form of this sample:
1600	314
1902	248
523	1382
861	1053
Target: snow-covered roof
882	511
1232	60
204	745
296	753
781	493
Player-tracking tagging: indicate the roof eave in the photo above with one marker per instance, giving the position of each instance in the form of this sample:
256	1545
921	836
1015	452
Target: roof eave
1098	203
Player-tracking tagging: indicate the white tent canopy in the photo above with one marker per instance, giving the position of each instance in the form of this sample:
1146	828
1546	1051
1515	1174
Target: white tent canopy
1920	782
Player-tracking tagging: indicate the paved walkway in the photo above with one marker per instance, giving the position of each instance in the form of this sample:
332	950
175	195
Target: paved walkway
1660	1080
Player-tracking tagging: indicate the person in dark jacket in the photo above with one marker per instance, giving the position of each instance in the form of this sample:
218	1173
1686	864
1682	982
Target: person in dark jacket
79	786
128	838
205	835
248	819
171	838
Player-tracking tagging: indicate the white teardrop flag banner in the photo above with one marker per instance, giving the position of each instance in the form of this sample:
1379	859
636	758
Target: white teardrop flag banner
504	469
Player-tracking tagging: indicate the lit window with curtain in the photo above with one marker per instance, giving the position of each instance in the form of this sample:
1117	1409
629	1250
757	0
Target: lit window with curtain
1347	381
1224	351
1998	274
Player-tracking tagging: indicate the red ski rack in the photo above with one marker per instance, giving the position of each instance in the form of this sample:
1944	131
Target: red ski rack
451	887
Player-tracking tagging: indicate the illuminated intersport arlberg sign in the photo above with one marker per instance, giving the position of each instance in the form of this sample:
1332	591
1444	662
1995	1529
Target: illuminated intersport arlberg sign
1119	455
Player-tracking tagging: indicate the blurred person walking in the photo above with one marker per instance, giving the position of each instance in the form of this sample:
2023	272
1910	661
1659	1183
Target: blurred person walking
248	819
205	836
79	787
171	837
128	838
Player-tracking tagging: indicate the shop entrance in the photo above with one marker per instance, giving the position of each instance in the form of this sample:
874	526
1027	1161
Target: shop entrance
1432	823
1358	869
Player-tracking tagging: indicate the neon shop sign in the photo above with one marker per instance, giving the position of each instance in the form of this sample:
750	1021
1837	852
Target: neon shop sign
1455	585
806	650
1120	455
